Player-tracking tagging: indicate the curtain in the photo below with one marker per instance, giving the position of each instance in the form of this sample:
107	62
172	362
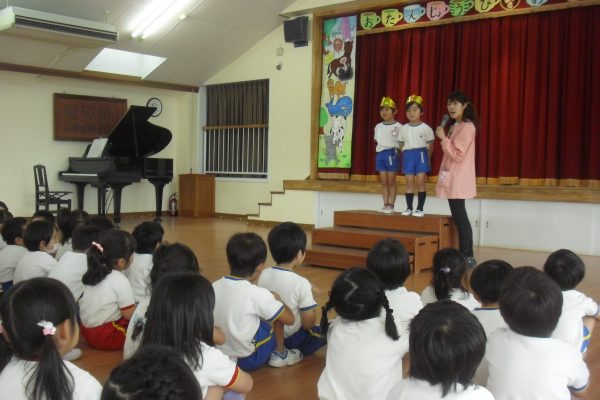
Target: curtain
239	103
534	81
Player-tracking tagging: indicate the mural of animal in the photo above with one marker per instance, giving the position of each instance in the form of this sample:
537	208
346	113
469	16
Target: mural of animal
330	150
342	107
336	89
340	66
337	131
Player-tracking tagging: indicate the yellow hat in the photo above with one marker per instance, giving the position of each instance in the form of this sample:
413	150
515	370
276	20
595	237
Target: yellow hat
415	98
388	102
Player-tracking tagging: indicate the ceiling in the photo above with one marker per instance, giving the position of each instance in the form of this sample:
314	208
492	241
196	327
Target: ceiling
213	35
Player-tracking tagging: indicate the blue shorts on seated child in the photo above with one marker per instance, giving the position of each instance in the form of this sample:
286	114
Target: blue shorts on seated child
386	160
264	344
415	161
306	340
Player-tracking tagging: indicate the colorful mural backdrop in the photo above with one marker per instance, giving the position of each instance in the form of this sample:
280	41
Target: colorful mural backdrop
337	94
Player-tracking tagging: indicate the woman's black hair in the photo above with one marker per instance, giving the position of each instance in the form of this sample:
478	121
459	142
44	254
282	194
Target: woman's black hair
446	345
36	232
173	258
147	235
449	271
469	114
531	302
285	241
487	279
68	220
180	316
25	305
245	252
112	245
13	228
152	373
566	268
358	295
389	260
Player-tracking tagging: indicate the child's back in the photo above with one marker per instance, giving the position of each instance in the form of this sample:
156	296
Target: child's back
364	351
11	254
568	270
148	236
524	362
37	262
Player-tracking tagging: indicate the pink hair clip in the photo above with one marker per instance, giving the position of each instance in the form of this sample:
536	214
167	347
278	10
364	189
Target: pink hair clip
445	270
98	246
49	328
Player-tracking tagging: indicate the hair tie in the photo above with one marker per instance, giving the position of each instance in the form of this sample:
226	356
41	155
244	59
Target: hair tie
49	328
445	270
99	247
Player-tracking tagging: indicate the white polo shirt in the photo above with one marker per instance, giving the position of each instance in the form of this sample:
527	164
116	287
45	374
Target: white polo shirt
386	136
34	264
294	290
139	275
9	258
17	372
576	305
63	248
417	389
362	362
70	270
3	244
531	368
490	318
405	305
131	344
216	369
415	136
239	307
463	298
104	302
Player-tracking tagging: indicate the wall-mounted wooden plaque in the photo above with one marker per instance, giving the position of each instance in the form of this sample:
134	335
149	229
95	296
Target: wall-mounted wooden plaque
85	118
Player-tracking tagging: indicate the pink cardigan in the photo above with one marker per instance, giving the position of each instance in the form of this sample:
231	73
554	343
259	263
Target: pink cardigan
456	179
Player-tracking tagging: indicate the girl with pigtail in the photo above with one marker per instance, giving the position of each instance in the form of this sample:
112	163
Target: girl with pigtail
449	280
107	303
39	326
365	352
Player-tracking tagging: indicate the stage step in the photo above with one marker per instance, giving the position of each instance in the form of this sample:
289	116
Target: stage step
337	257
422	245
441	225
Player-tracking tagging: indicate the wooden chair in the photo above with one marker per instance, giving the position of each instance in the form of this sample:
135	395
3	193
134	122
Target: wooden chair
44	197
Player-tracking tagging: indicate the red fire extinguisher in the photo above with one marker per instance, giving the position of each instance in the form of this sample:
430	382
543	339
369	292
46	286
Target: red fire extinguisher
173	205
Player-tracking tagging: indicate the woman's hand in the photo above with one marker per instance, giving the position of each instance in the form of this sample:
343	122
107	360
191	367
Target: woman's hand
440	133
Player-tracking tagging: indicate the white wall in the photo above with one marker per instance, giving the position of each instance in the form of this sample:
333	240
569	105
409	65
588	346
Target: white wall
26	137
527	225
289	120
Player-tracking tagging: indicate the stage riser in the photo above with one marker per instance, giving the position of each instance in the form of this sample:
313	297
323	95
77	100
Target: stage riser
339	258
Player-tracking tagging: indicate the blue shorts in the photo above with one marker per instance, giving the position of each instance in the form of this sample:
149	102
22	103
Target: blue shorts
386	161
415	161
586	339
306	340
264	343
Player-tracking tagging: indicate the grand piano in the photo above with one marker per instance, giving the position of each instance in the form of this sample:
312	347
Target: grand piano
122	159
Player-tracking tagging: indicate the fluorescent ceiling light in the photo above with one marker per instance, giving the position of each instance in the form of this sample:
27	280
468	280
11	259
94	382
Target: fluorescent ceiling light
155	16
124	63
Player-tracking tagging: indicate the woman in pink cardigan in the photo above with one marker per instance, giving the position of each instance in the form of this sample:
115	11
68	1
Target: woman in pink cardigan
456	179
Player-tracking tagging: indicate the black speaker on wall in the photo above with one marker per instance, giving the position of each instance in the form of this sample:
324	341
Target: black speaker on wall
296	31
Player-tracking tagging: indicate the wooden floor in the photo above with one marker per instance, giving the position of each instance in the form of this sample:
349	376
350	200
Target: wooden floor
208	237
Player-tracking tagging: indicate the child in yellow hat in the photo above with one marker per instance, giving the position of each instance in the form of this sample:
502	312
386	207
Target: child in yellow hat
386	161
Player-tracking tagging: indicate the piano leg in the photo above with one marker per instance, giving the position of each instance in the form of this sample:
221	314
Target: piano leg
158	191
80	191
101	199
117	189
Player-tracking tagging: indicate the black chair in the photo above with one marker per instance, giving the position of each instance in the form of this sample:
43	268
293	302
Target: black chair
44	197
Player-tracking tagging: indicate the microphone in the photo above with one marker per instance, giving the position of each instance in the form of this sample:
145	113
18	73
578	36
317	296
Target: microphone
444	120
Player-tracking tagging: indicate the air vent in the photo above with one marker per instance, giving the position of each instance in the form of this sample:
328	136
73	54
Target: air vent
56	28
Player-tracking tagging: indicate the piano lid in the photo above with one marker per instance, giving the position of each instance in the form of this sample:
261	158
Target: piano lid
134	136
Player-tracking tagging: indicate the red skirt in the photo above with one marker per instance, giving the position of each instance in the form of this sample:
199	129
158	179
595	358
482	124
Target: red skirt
108	336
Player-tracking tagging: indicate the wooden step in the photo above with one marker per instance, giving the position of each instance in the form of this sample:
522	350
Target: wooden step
422	245
336	257
442	225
